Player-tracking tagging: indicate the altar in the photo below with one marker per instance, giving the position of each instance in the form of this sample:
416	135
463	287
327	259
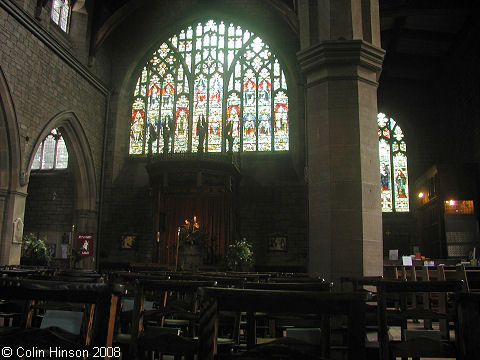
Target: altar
188	185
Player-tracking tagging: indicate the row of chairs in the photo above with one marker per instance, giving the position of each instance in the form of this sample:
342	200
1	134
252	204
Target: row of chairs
468	274
183	313
429	307
162	293
95	306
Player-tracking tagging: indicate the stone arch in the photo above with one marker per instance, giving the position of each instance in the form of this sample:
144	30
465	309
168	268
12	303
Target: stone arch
12	193
10	150
81	163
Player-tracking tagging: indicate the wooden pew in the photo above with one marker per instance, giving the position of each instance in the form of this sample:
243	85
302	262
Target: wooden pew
275	320
215	300
141	339
470	275
413	346
100	300
468	310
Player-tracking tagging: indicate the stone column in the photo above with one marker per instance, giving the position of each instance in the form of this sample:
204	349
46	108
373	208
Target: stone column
12	209
341	60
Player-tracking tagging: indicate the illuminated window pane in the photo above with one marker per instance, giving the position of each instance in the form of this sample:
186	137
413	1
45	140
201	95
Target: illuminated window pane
48	152
280	107
60	13
137	126
51	153
393	166
215	76
37	160
181	125
61	161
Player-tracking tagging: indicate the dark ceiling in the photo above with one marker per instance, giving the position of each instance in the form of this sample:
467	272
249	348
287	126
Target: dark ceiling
421	36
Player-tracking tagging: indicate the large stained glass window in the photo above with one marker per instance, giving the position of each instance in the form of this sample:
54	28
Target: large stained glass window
393	165
52	153
213	87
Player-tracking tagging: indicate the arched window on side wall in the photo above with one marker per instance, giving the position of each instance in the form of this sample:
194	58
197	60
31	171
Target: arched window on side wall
393	165
213	87
52	153
60	13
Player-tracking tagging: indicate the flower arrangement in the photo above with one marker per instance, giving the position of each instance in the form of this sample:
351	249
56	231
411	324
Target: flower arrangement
34	251
239	254
191	233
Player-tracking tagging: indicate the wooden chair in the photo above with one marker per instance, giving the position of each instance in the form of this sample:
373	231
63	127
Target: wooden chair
158	337
470	275
276	323
215	300
414	343
468	310
100	301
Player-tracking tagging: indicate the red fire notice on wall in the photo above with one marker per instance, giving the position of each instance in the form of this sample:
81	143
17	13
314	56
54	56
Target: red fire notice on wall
85	244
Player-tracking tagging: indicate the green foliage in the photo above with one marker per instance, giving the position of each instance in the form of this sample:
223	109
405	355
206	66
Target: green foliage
239	253
191	233
34	250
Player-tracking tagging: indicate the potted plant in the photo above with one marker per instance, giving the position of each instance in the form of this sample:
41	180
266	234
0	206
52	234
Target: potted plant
34	251
239	255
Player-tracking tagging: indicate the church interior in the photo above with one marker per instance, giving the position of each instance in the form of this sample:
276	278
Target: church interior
331	138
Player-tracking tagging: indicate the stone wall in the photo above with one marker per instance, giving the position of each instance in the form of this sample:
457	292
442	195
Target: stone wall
49	206
42	85
48	83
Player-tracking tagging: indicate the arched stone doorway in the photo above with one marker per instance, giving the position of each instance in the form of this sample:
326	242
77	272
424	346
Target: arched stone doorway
72	204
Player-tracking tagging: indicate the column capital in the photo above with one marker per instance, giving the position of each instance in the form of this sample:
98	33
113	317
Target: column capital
340	54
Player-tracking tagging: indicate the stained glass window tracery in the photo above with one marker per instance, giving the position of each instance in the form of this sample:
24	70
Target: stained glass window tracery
212	87
393	165
52	153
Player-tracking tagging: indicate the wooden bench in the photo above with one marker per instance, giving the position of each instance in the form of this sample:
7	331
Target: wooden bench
470	275
410	345
142	339
100	307
468	310
215	300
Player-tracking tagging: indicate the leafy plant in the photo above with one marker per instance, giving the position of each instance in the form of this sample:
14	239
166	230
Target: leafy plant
239	253
192	233
34	250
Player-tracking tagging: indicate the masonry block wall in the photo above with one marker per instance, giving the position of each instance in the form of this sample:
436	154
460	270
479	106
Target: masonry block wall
42	85
49	206
46	79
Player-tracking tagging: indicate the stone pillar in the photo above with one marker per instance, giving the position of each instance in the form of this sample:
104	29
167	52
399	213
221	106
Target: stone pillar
341	60
12	209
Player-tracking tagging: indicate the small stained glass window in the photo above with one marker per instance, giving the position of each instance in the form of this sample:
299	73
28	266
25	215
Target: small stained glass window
52	153
60	13
393	165
213	87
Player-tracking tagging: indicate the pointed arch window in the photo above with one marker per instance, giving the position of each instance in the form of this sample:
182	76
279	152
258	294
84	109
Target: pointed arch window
60	13
393	165
52	153
213	87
